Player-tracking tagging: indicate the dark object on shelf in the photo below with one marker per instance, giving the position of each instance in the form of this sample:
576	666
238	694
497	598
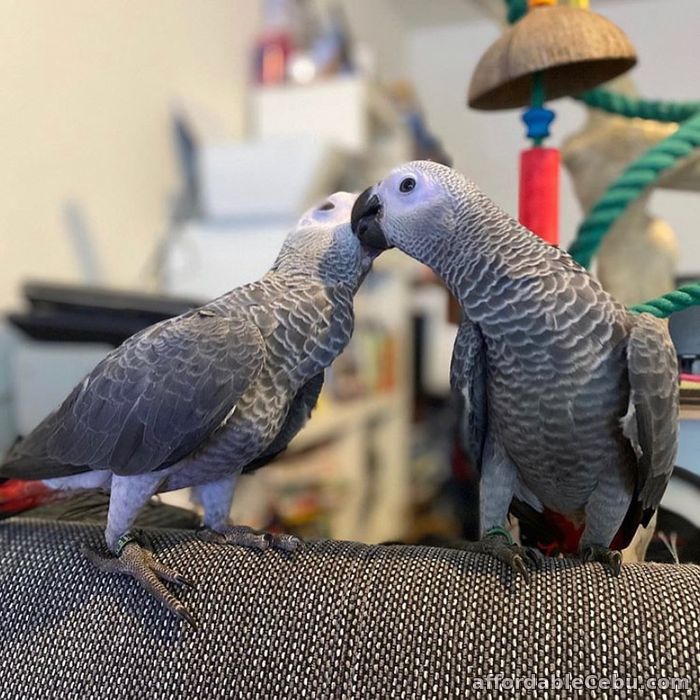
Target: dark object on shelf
186	202
684	327
338	619
92	314
690	396
426	146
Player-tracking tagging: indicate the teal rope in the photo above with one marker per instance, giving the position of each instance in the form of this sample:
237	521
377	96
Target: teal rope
629	187
636	178
659	110
664	306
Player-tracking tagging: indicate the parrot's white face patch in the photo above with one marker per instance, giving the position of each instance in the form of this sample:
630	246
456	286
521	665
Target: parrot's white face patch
333	210
412	200
407	190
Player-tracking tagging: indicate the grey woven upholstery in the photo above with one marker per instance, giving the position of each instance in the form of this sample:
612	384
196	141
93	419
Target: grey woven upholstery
339	620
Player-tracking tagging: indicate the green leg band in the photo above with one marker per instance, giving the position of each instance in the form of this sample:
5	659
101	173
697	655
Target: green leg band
125	539
501	532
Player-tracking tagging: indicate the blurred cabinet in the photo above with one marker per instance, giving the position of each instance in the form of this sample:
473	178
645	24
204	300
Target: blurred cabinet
206	259
337	110
267	179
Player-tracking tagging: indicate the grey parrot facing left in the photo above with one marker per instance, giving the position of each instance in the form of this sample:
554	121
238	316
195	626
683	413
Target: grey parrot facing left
197	399
572	401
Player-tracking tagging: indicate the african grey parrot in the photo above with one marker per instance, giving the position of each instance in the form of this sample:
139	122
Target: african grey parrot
197	399
572	401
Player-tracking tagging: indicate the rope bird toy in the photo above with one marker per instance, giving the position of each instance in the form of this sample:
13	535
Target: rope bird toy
630	185
636	178
554	50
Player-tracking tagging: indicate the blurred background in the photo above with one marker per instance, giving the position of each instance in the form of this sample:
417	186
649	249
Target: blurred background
155	154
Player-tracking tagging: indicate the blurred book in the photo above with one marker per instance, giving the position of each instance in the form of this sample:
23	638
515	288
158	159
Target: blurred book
690	389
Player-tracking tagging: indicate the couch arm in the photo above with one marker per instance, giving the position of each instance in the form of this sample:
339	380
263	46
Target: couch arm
338	619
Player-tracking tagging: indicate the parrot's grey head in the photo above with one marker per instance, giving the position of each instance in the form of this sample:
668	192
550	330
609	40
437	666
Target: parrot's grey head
323	244
411	209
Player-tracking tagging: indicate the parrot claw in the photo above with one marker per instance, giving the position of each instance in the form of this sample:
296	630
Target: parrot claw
519	565
247	537
139	563
513	555
287	543
534	556
611	559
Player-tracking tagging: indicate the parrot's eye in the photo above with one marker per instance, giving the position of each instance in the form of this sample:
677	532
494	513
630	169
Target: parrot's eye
407	184
327	206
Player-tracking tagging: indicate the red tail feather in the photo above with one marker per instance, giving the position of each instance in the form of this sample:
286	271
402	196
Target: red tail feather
566	535
17	496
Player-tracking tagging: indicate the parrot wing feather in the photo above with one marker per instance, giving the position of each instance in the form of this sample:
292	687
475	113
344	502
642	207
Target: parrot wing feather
651	423
468	382
299	412
150	402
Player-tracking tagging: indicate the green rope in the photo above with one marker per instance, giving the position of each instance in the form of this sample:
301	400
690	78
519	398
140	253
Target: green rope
635	179
664	306
659	110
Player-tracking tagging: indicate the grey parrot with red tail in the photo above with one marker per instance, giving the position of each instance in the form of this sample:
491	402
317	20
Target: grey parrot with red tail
571	400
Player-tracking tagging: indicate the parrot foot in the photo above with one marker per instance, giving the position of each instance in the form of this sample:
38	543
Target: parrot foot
515	556
139	563
247	537
611	559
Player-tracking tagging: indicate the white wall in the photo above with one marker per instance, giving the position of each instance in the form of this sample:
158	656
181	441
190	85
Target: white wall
485	145
87	85
86	89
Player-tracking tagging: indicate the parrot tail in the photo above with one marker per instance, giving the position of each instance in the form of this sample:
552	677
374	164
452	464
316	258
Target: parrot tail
17	495
548	531
553	533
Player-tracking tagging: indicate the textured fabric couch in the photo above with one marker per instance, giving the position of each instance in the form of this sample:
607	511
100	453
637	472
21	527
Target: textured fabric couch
337	620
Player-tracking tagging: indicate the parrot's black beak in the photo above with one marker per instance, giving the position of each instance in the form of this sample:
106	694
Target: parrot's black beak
365	221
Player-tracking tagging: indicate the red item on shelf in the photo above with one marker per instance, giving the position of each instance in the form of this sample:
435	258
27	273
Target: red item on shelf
272	56
539	192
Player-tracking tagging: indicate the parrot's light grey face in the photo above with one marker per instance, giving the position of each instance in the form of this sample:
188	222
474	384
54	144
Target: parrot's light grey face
335	209
325	242
411	209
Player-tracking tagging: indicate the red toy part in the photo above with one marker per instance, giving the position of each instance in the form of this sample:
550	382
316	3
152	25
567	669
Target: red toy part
539	192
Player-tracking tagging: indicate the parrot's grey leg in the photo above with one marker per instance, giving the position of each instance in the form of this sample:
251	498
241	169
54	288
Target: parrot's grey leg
498	484
216	498
499	479
605	512
128	495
